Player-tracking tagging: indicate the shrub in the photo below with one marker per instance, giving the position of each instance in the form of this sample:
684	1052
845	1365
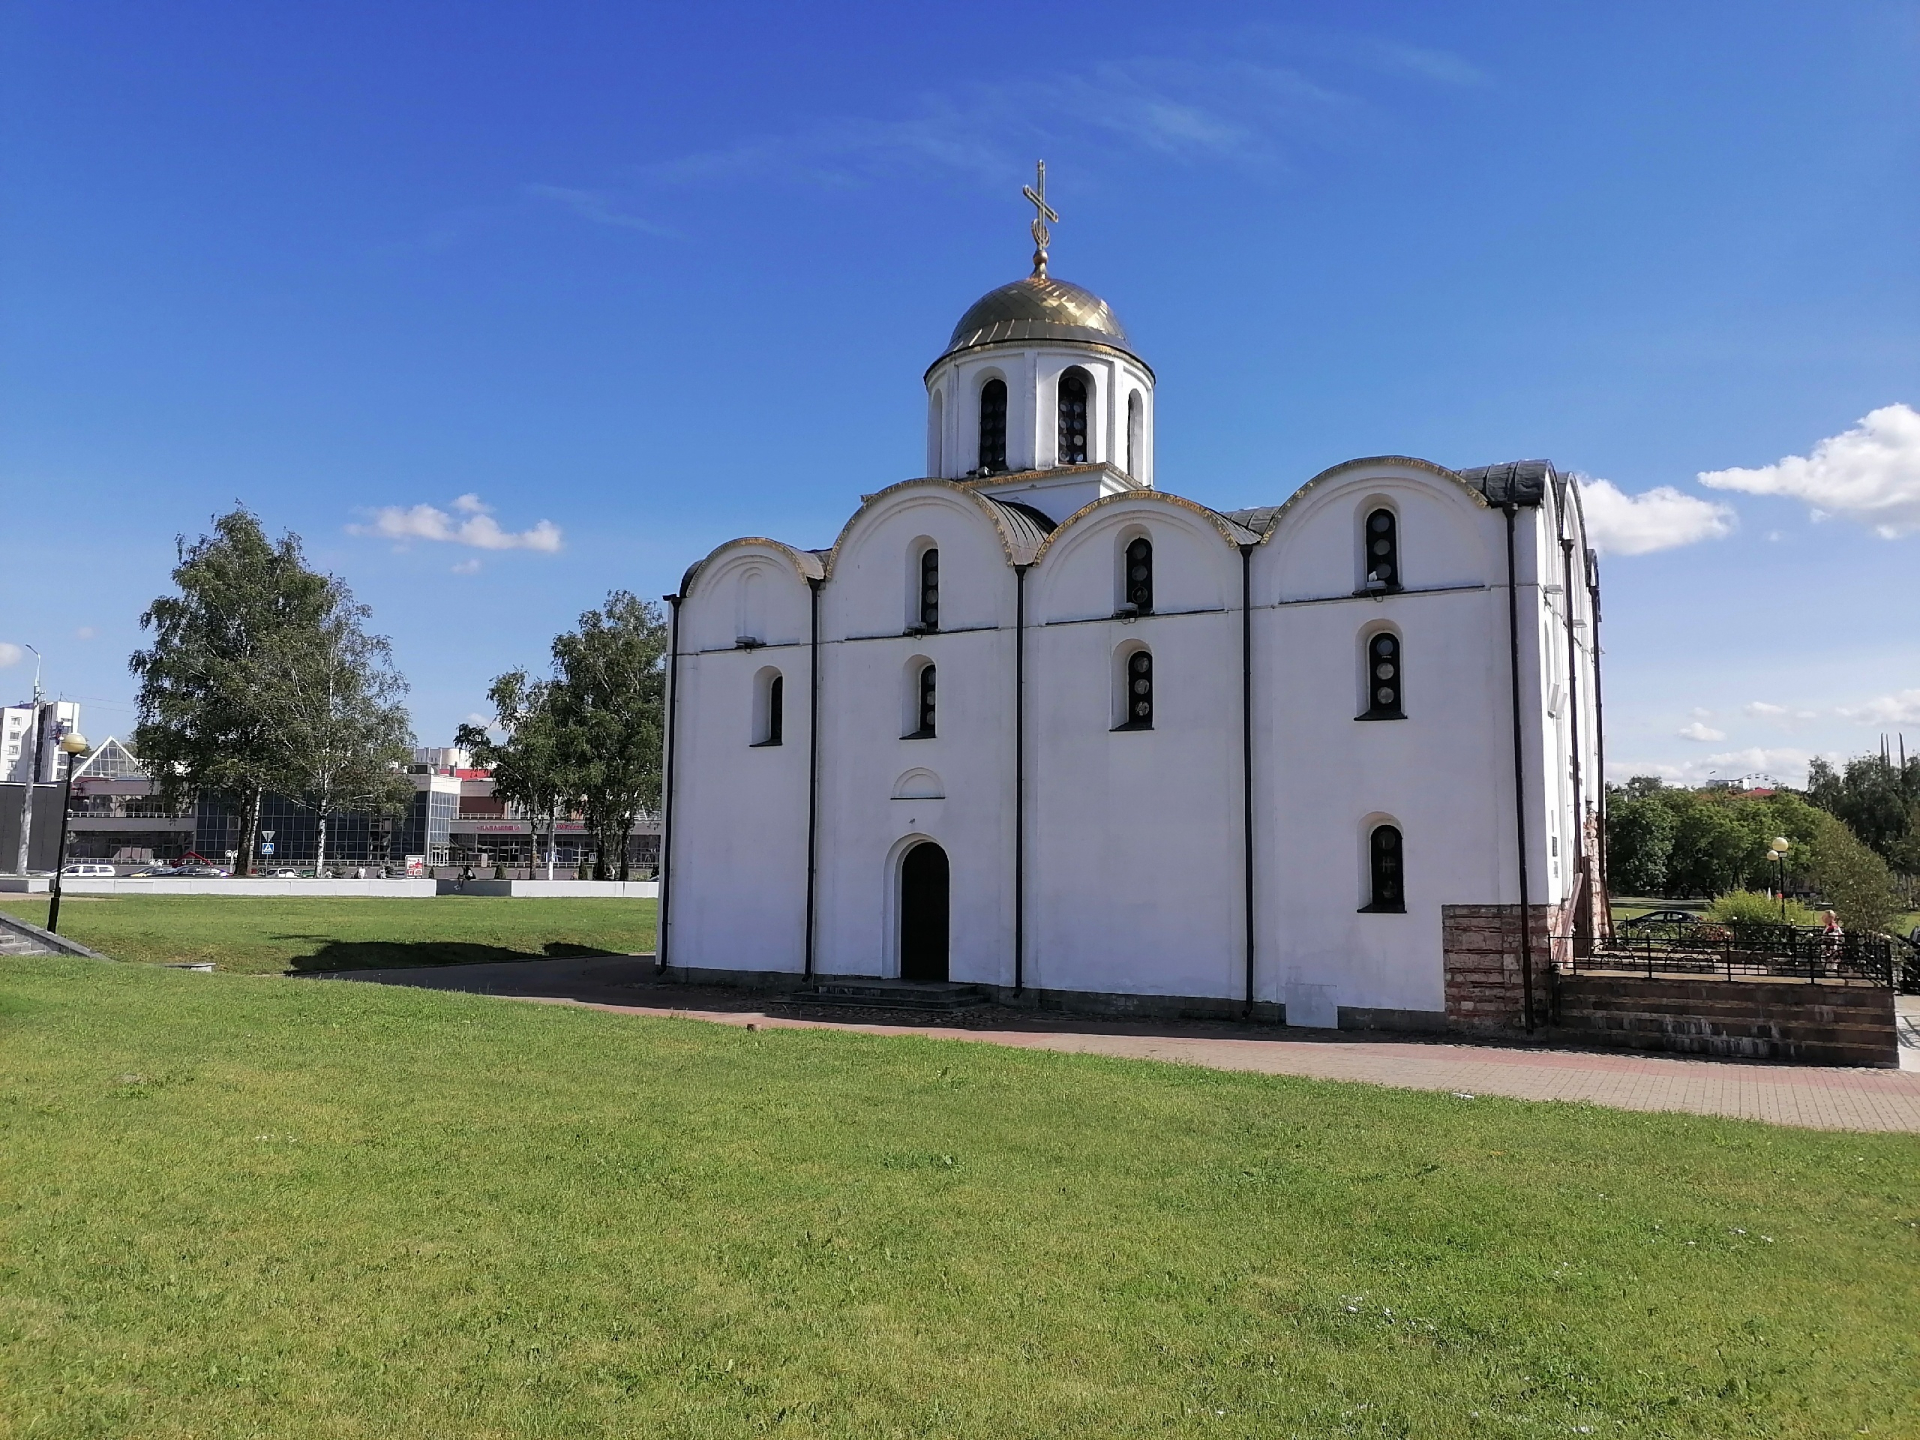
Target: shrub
1854	880
1751	906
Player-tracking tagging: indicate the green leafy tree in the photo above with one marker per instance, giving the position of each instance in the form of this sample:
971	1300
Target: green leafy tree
206	720
1878	797
1852	878
1640	832
609	704
530	767
340	733
1712	850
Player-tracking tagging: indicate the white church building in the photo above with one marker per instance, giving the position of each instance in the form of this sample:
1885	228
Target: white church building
1035	724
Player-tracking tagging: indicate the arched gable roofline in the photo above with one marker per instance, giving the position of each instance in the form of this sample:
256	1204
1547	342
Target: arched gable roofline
1230	533
805	563
1346	467
1020	536
1577	512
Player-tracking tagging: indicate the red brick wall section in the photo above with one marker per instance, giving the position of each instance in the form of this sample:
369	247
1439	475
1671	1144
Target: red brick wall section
1480	948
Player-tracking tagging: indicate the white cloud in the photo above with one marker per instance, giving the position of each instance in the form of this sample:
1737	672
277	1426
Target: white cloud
1786	765
1698	731
1658	519
1245	98
10	654
1870	473
466	567
1757	760
85	632
597	206
1900	709
479	529
1761	710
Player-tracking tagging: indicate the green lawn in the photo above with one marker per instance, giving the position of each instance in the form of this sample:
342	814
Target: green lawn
271	934
248	1206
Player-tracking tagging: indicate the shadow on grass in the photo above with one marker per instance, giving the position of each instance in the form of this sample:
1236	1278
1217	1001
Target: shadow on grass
411	954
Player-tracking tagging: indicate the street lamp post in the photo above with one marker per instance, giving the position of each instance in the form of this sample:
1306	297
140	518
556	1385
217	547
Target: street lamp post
1778	849
73	745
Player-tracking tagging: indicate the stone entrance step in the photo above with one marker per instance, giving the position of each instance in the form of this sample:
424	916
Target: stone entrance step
877	994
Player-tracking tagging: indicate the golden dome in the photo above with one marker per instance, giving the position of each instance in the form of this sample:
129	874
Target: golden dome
1039	308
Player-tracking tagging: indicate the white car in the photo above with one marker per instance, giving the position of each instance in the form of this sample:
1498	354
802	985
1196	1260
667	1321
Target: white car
90	871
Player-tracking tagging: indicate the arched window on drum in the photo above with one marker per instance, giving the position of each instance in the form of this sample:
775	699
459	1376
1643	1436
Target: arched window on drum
1075	431
993	427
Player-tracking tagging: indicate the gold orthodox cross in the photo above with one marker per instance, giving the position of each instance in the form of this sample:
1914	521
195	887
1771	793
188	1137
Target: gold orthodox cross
1043	212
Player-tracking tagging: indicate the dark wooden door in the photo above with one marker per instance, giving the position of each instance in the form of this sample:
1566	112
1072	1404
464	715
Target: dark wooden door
923	914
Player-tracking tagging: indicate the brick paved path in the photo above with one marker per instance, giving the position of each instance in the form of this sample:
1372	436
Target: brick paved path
1816	1097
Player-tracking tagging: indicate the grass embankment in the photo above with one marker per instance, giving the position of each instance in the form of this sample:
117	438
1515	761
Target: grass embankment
269	934
235	1206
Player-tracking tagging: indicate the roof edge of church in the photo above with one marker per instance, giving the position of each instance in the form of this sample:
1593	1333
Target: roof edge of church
798	558
1017	343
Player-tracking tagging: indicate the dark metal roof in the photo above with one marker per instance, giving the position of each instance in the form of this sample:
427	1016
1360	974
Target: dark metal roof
1026	527
1039	308
1517	482
1259	519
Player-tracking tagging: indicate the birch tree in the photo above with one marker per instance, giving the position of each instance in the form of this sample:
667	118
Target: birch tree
340	735
205	723
609	703
528	765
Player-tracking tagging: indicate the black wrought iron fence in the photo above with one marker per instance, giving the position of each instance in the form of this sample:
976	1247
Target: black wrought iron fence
1745	950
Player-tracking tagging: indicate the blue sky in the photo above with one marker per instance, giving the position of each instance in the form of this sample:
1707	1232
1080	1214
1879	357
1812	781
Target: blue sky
655	276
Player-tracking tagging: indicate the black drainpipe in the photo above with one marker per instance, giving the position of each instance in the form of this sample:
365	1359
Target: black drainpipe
1246	756
1519	778
1019	778
666	789
813	756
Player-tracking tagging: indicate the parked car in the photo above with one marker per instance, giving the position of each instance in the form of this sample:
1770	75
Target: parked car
1658	919
89	869
282	874
201	872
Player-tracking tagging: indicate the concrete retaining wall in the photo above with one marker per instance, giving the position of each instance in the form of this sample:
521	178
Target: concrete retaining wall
126	885
1737	1019
567	889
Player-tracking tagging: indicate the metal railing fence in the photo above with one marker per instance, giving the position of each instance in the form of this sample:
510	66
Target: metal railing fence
1743	950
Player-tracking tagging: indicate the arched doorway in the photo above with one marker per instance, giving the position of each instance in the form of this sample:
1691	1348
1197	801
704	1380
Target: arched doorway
923	914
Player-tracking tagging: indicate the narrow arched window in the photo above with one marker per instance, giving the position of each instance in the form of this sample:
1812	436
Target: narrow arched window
1138	580
769	706
1383	678
1387	877
993	426
923	714
930	588
1136	433
1383	551
1073	419
1136	691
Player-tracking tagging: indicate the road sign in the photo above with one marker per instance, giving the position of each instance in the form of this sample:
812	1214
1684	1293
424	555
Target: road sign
266	847
266	834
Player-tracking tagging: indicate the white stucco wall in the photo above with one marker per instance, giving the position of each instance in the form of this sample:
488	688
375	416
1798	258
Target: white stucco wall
1032	374
1134	840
